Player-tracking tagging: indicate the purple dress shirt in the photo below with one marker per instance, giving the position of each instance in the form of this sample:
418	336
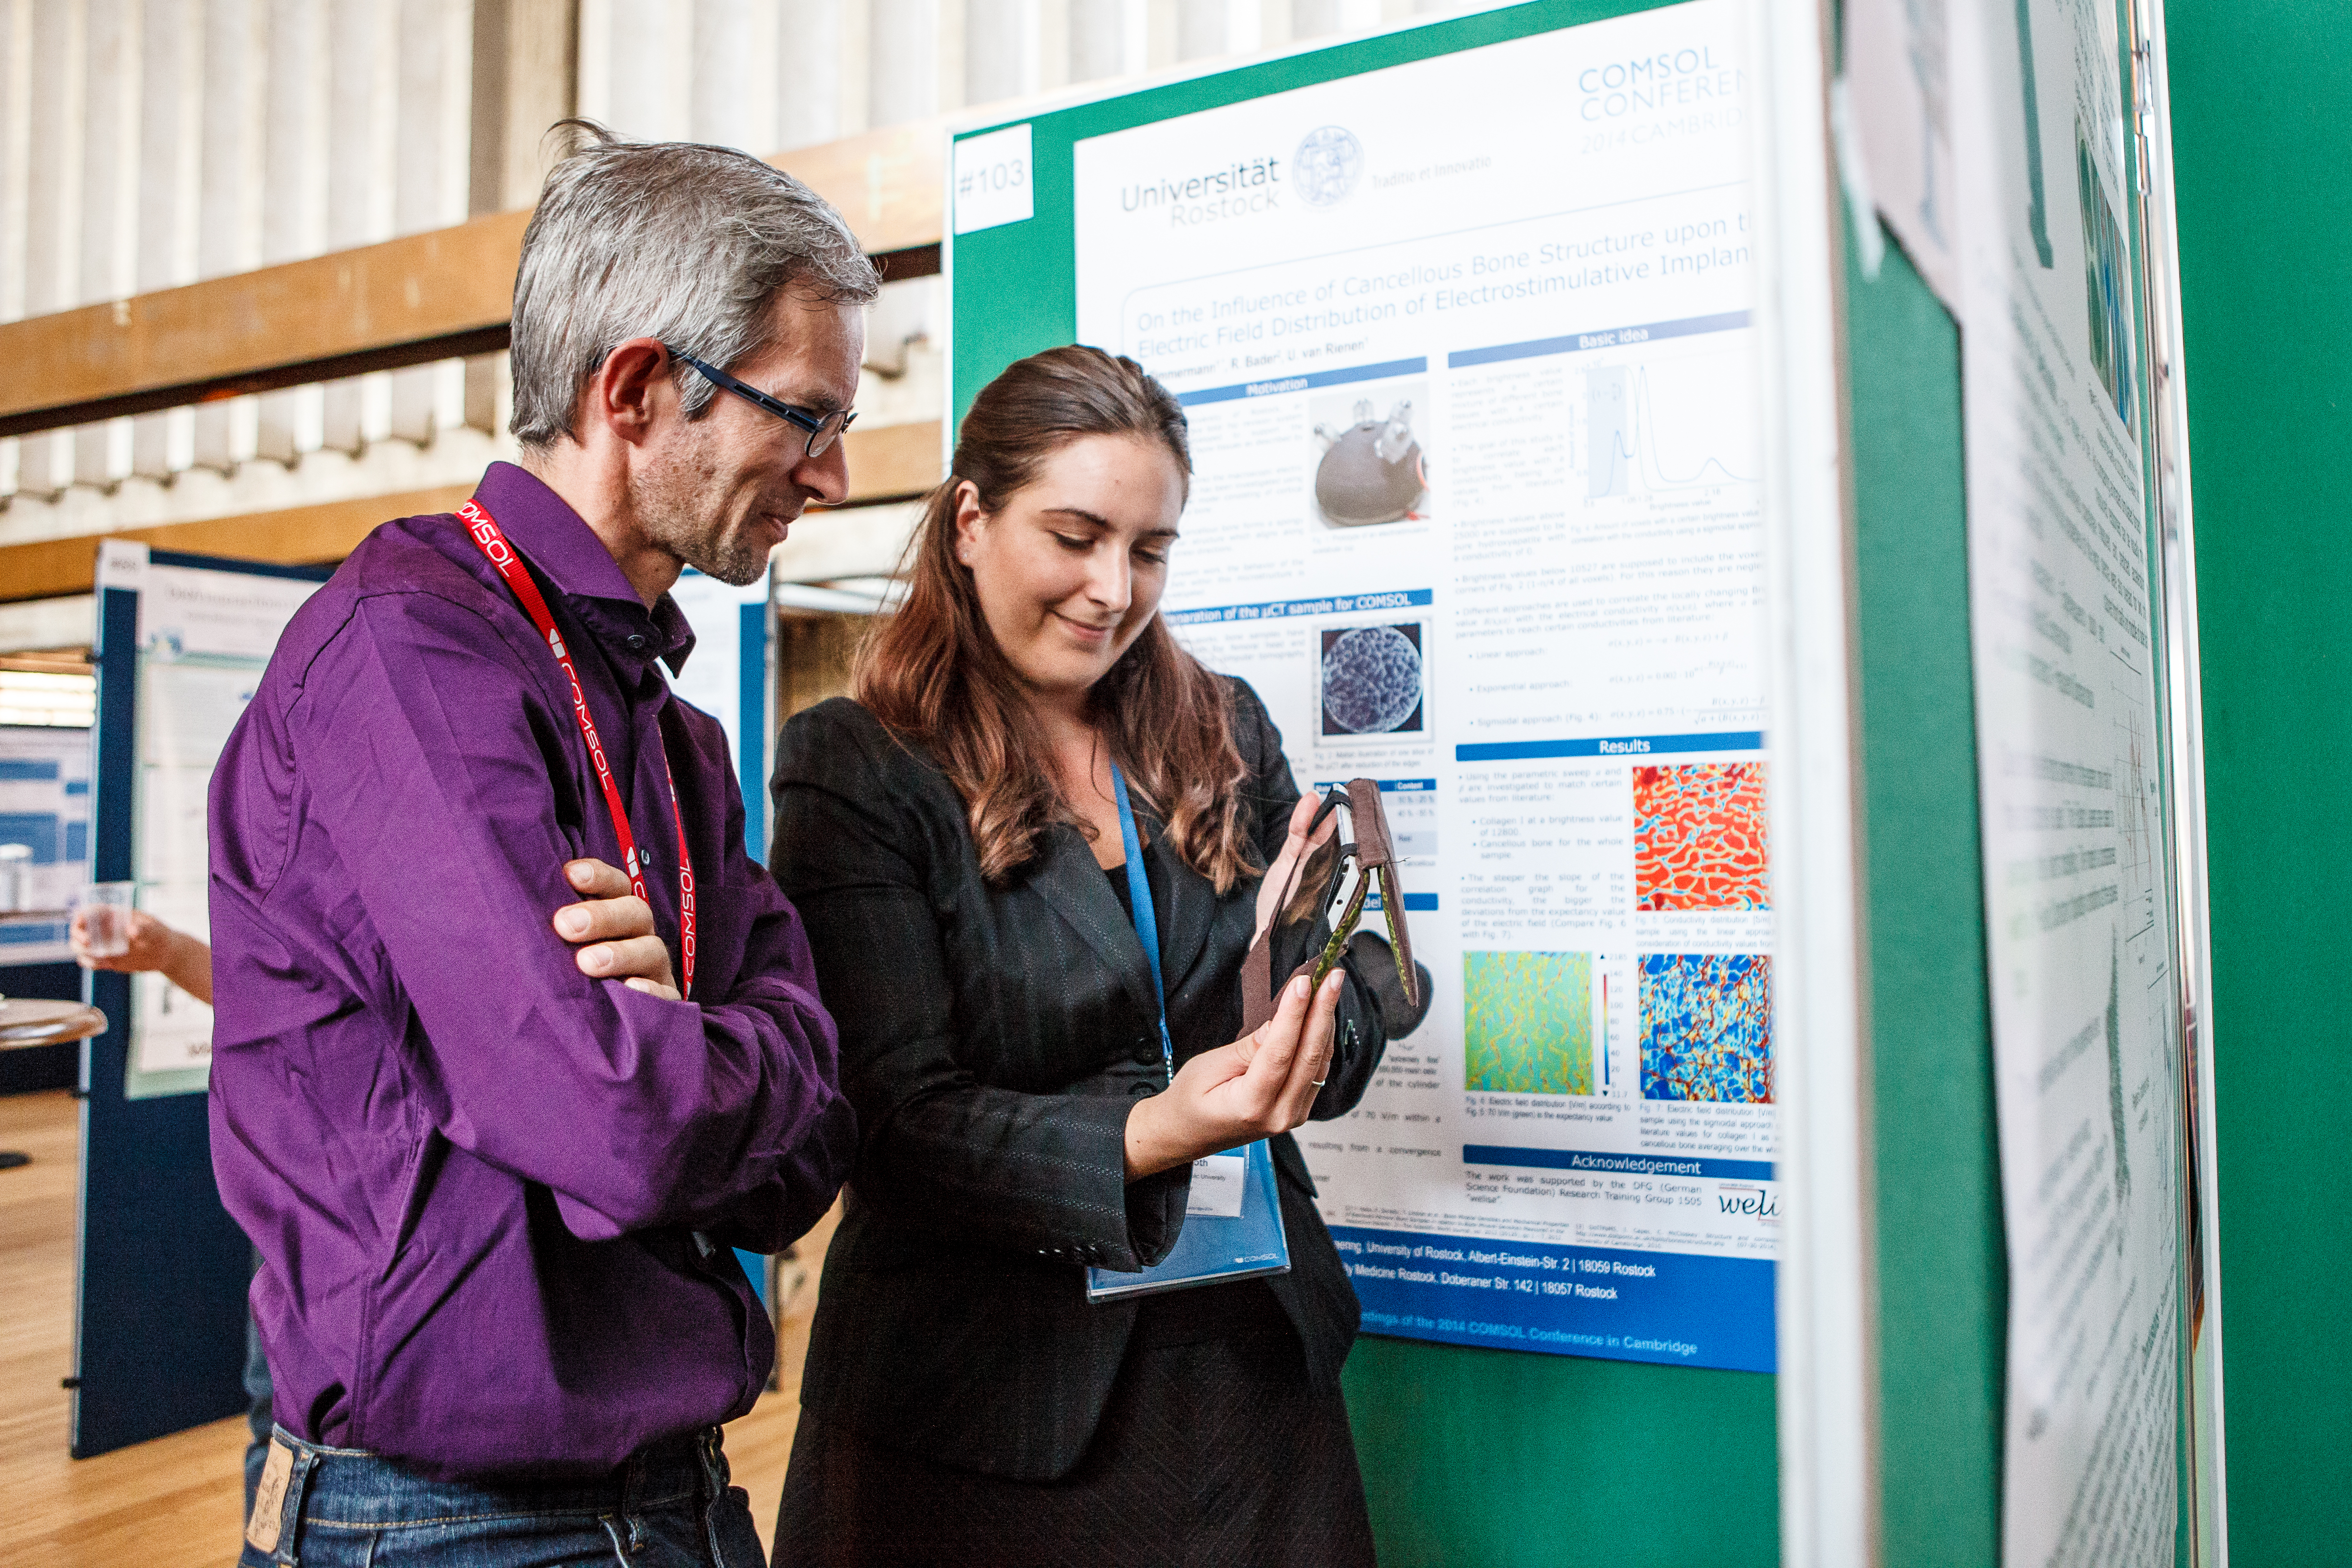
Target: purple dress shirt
474	1174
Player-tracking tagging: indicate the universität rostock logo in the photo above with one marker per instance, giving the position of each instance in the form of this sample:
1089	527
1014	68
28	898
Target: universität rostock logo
1326	164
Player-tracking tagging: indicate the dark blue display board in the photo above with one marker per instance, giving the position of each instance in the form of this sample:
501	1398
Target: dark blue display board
159	1307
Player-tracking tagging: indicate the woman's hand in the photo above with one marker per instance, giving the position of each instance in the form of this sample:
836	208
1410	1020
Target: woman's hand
1262	1084
614	931
1295	849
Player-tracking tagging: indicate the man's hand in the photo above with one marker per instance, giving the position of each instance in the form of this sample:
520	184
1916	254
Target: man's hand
614	931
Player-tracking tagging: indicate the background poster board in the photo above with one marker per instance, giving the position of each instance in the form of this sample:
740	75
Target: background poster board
729	675
45	800
160	1268
1516	576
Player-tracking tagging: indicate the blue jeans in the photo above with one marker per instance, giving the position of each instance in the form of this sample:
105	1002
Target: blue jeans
668	1507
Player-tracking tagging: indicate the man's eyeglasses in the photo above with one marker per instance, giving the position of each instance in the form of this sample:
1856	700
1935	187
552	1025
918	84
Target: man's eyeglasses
823	429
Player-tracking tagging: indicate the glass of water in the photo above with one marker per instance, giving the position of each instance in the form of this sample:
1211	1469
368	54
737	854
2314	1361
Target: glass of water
105	911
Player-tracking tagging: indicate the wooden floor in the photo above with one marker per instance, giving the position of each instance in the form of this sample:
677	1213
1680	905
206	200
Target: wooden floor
174	1502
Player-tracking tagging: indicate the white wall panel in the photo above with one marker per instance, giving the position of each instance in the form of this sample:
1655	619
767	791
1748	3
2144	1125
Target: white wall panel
635	59
53	206
1108	39
1002	46
15	129
295	138
811	41
170	146
903	65
228	199
365	40
145	143
432	104
737	75
107	265
1200	28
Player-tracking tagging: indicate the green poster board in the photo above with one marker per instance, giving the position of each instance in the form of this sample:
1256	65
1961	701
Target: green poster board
1478	1456
2260	97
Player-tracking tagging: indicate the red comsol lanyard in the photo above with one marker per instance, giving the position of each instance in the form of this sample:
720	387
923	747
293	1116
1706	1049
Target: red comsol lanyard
503	554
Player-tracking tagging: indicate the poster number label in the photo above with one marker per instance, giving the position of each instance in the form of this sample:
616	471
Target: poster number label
993	184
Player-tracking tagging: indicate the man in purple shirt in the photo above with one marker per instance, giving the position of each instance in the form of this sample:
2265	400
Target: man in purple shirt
491	1160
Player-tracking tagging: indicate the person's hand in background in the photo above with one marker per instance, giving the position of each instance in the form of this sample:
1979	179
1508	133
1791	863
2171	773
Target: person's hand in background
186	961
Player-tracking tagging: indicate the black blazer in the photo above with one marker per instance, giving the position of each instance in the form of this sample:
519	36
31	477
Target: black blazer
993	1042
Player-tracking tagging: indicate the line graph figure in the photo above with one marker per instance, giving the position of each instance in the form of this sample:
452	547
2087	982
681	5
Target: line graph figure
1706	436
1677	424
1609	434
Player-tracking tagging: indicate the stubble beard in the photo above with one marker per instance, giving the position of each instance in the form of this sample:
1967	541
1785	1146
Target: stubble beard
672	504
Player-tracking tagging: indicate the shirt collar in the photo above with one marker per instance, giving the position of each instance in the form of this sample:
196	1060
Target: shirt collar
555	539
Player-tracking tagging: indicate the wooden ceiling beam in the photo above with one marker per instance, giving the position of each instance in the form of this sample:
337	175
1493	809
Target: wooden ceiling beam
426	297
891	464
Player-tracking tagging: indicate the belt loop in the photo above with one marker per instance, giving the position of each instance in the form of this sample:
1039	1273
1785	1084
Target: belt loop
633	1483
290	1516
712	1459
714	1462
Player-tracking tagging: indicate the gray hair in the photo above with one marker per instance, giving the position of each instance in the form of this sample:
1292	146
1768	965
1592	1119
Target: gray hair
671	240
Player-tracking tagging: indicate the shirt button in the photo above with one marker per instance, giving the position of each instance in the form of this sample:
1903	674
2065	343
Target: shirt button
636	642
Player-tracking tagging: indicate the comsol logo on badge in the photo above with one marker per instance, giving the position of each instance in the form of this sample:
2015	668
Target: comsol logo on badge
1751	1202
1326	165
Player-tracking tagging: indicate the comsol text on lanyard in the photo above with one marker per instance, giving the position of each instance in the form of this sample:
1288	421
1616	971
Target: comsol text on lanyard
508	563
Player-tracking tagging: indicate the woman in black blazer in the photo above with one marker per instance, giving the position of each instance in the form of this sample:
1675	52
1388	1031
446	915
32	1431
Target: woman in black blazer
952	846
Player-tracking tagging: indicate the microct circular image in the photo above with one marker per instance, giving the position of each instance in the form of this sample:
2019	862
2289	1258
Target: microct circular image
1326	165
1371	680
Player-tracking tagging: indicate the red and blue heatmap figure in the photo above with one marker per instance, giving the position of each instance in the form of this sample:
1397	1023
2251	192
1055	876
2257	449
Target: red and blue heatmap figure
1699	840
1706	1027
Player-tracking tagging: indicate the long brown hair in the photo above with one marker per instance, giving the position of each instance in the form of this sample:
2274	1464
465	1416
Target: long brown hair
933	674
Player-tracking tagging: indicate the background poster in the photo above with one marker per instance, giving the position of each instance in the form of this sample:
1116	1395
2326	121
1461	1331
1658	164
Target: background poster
45	809
2086	1052
1897	79
205	637
1476	511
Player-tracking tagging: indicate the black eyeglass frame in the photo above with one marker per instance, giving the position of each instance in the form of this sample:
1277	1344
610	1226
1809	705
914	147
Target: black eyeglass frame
820	441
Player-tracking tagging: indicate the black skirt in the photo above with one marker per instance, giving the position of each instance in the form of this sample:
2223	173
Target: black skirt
1215	1450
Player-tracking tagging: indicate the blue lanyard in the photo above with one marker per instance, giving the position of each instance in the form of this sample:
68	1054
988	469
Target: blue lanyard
1147	925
